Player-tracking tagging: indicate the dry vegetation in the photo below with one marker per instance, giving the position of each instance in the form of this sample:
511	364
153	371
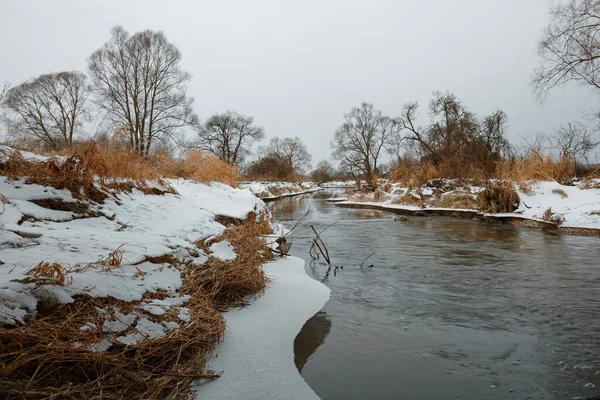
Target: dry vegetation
50	356
93	171
530	168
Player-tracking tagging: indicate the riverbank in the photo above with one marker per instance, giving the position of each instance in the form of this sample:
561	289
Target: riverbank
270	191
546	206
257	354
119	287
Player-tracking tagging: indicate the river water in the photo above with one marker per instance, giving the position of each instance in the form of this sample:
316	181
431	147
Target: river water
449	309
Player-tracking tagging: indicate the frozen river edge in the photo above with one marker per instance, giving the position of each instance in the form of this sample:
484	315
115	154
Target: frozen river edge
257	353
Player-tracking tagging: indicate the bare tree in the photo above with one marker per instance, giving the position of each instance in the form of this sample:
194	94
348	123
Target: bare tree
535	145
49	109
323	172
570	47
493	145
359	142
291	150
229	136
575	141
141	86
455	139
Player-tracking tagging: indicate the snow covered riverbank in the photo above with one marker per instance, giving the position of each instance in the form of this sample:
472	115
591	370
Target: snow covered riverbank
257	354
136	278
269	191
542	205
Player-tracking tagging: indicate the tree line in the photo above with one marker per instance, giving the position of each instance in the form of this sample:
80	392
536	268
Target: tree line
136	87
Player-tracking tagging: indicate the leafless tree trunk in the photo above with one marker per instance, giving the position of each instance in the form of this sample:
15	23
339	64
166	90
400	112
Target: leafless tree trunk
141	86
358	143
229	136
48	109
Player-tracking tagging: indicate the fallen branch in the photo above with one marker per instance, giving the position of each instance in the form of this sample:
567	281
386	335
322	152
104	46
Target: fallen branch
366	258
319	244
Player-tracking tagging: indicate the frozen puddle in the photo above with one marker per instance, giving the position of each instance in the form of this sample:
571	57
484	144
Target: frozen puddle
257	354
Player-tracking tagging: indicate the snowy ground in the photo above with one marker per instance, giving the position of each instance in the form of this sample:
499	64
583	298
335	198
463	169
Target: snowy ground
275	190
573	206
338	184
133	226
78	246
257	355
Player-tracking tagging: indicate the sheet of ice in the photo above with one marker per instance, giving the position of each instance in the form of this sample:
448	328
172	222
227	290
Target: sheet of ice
257	354
223	250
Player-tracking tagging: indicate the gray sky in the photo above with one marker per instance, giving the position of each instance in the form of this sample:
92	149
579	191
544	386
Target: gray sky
298	66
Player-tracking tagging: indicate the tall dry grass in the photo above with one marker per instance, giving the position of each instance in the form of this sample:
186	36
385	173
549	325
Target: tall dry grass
91	170
536	167
532	167
197	167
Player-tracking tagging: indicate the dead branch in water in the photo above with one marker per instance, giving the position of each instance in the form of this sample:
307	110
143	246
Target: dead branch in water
366	258
319	244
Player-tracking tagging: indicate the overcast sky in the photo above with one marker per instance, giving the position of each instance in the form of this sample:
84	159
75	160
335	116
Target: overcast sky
298	66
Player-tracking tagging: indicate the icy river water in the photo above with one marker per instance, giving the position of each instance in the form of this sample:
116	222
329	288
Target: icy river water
450	309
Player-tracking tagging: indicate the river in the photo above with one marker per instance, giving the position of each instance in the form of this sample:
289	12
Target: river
446	308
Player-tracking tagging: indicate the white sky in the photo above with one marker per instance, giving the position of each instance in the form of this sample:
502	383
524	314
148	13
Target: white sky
298	66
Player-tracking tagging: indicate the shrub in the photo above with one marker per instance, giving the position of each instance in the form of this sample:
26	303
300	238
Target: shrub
498	197
550	216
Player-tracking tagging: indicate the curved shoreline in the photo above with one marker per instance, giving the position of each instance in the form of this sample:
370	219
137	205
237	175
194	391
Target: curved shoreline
257	353
505	219
269	199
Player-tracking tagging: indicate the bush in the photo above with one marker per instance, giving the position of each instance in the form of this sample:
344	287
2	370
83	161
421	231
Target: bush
271	168
498	198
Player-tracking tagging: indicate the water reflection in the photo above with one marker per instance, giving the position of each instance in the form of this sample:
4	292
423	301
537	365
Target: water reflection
450	308
313	334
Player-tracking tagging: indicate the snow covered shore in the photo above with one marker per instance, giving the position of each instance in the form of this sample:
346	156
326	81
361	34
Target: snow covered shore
257	354
543	205
135	225
269	191
144	268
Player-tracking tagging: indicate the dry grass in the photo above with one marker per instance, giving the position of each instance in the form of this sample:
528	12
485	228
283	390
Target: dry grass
380	195
527	187
409	200
535	167
551	216
50	356
69	174
197	167
589	183
499	197
90	174
229	282
415	174
455	200
560	192
532	167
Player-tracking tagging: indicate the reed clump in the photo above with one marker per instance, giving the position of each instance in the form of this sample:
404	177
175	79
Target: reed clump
64	353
